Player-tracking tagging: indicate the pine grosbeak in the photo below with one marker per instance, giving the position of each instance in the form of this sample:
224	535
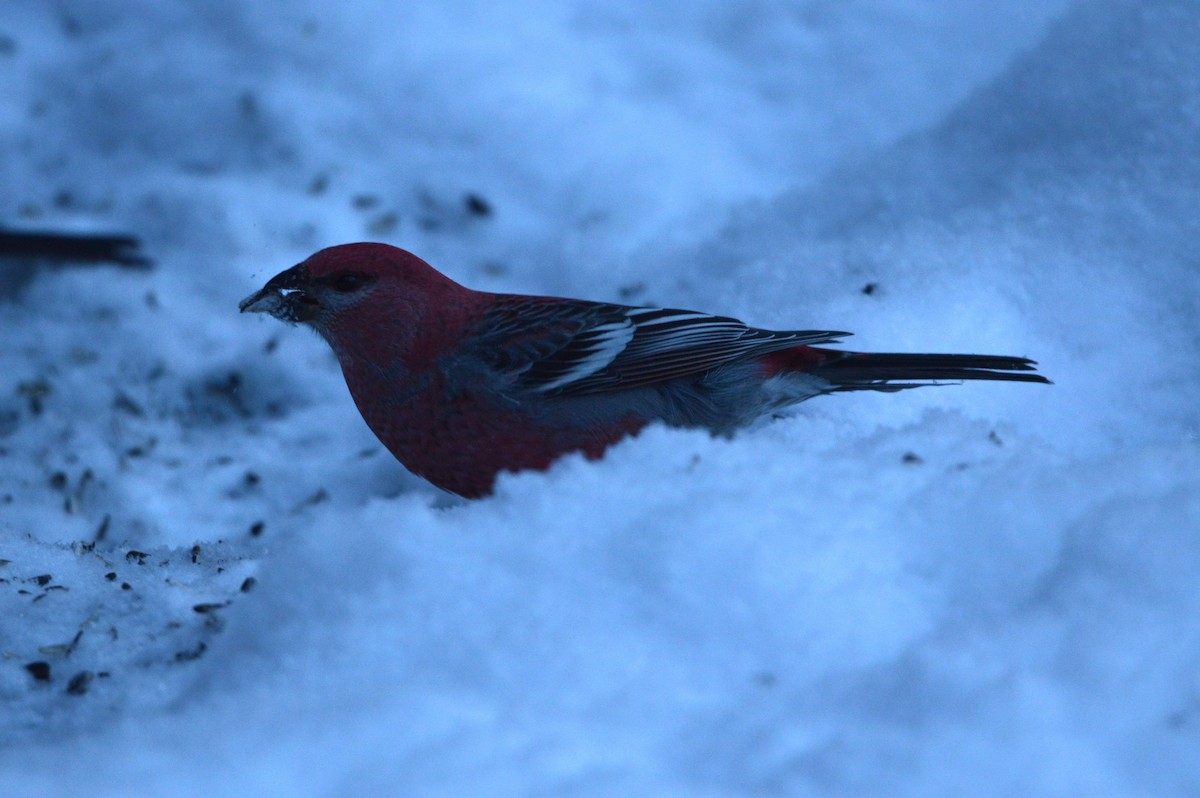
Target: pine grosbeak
460	385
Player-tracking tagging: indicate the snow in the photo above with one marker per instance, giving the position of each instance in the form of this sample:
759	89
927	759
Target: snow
984	589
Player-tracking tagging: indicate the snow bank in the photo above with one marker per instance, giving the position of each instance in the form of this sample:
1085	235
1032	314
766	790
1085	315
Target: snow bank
979	590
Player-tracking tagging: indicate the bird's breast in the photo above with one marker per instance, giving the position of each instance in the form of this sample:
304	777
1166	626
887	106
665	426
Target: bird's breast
460	439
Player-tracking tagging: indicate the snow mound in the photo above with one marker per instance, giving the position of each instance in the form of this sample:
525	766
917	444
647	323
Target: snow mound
969	590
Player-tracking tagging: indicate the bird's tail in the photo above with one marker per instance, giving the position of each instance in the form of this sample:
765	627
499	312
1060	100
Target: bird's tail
895	371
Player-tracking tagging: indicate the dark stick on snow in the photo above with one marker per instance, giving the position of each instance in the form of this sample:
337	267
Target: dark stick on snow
51	246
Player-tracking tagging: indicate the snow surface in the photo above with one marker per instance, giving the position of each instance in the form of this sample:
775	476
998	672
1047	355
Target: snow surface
979	590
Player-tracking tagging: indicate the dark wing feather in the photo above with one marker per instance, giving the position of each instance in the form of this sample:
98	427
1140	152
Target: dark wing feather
538	342
565	346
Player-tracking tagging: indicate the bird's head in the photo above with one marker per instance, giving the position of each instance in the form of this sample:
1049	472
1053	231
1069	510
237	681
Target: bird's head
350	280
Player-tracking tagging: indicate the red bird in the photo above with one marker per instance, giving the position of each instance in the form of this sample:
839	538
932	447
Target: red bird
460	385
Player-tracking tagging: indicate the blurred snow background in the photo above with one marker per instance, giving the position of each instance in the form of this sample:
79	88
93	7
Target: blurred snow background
974	590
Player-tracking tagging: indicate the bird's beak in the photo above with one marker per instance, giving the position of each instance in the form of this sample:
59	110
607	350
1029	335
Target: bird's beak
284	296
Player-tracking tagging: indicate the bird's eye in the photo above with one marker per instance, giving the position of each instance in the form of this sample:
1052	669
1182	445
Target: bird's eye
347	282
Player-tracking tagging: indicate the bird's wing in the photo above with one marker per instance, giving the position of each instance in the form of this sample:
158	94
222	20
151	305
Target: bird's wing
566	346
